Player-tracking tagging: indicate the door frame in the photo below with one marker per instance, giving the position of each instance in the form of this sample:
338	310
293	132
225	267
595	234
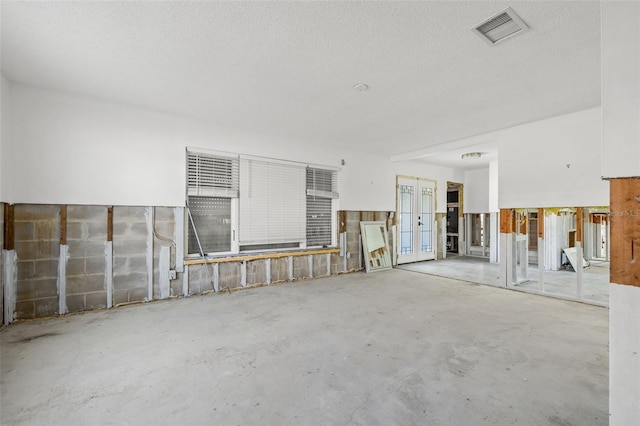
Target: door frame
434	223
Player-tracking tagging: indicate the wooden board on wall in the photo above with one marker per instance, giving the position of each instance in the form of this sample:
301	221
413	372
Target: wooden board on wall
507	221
625	231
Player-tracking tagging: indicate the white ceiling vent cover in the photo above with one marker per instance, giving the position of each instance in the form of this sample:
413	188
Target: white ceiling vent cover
500	27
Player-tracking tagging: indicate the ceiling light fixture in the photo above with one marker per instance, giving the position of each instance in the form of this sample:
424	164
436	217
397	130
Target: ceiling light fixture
360	87
471	155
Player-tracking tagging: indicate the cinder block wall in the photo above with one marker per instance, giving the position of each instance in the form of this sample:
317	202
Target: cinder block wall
86	274
37	246
135	255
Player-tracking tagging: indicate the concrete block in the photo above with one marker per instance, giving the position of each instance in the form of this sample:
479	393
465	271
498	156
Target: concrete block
164	214
35	212
86	248
97	230
124	265
229	275
301	267
256	272
353	227
36	289
46	268
37	249
120	296
87	213
367	216
129	247
26	270
46	307
76	266
130	280
176	285
85	283
129	214
279	270
25	310
47	230
138	294
24	231
319	265
76	303
97	300
95	265
75	231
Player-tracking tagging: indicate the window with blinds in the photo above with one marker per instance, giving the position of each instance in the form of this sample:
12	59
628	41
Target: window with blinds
272	204
321	186
241	203
212	183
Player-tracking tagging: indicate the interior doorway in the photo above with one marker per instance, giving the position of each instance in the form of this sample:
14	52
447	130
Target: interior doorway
455	225
416	219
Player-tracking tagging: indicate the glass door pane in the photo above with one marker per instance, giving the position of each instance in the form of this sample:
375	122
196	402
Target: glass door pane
426	220
406	194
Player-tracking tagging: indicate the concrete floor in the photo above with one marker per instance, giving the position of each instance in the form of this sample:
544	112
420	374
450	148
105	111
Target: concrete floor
392	347
595	279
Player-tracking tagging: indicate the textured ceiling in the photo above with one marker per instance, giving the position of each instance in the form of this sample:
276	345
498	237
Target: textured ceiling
287	68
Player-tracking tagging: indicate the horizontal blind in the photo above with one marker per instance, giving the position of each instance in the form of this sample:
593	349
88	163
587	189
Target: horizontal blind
212	175
322	187
272	204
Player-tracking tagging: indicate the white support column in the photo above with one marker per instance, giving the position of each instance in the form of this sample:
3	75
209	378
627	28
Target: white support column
164	266
540	263
267	271
290	267
243	274
10	283
178	237
149	216
216	276
185	281
579	267
494	240
328	263
108	272
310	260
62	279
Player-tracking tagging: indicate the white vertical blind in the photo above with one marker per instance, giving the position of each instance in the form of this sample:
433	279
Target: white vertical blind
272	203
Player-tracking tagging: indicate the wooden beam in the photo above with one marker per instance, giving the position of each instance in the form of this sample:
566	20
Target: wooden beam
9	236
507	221
541	223
579	225
624	194
342	221
260	256
63	224
110	223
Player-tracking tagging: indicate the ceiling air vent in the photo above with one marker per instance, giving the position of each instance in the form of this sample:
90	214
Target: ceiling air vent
500	27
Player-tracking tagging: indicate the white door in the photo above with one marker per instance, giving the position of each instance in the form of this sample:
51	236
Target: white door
416	220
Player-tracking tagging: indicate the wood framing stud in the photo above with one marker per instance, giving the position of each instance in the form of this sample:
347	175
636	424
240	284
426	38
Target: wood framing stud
63	224
579	224
110	223
507	221
9	218
625	231
541	223
342	221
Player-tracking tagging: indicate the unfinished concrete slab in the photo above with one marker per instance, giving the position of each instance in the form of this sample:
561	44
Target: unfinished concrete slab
394	347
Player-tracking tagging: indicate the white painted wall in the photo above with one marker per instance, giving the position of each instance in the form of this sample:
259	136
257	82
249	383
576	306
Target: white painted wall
69	149
534	157
4	136
476	191
621	89
494	189
621	158
624	358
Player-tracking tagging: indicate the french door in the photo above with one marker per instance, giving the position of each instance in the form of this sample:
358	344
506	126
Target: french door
416	220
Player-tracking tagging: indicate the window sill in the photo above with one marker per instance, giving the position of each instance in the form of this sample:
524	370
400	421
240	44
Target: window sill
255	256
